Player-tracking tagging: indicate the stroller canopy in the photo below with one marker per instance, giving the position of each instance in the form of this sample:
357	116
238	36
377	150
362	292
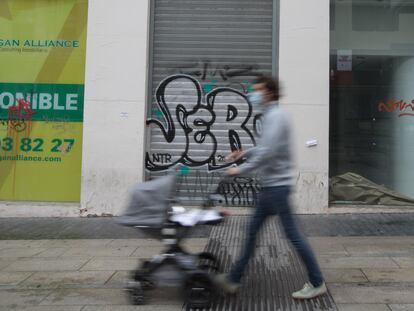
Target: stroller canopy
149	202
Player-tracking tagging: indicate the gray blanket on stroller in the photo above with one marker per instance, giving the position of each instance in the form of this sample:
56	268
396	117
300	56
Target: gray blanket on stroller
149	202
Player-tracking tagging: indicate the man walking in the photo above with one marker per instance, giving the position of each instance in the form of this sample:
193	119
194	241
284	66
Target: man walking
272	156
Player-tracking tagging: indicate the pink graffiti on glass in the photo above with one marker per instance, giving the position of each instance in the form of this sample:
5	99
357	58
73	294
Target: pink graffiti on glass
392	105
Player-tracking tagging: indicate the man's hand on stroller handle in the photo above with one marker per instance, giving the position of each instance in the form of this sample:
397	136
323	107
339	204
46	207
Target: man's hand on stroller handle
235	155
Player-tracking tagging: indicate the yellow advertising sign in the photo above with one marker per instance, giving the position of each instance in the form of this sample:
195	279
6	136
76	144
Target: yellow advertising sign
42	56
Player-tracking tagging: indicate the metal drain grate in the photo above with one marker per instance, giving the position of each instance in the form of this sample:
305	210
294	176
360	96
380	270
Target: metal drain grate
272	275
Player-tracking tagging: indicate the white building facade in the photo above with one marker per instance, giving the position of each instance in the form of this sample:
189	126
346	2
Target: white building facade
144	55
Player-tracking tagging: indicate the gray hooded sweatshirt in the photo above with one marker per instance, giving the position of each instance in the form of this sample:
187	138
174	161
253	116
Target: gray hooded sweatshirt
272	154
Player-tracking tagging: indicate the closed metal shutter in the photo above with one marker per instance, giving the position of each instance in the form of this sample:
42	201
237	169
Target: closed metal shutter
205	55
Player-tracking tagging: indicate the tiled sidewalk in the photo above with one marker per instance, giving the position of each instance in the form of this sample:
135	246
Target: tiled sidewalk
107	228
370	273
375	273
76	274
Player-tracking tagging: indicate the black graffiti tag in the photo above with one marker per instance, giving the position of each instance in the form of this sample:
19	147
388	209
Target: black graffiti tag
190	128
239	191
235	121
207	69
192	125
214	74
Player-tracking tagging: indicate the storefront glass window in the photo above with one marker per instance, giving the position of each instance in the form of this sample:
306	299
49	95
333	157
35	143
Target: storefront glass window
372	102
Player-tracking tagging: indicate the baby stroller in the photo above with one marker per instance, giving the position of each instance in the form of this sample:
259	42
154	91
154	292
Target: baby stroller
150	209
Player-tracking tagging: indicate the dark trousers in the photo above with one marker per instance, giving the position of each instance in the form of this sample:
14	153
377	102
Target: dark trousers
275	201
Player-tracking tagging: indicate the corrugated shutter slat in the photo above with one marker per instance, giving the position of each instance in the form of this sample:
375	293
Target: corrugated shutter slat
220	43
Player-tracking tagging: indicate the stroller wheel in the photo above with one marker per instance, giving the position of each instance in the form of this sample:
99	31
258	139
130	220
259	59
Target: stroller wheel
136	293
143	279
147	285
142	275
199	290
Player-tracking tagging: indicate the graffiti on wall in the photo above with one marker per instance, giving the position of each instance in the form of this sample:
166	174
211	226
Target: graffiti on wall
193	125
240	191
212	75
224	71
235	191
201	113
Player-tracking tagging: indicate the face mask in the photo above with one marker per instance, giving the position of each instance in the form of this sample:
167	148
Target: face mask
255	98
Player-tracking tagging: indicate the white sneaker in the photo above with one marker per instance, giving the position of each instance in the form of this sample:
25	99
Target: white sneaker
309	291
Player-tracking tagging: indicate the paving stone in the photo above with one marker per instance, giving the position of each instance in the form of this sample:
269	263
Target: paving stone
110	264
99	251
367	293
326	252
64	279
390	275
76	296
22	243
120	278
46	264
52	252
135	308
41	308
404	262
401	307
78	243
147	251
110	296
20	252
6	262
363	240
166	297
323	246
134	242
344	276
356	262
396	224
382	249
323	240
351	224
13	278
22	297
362	307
